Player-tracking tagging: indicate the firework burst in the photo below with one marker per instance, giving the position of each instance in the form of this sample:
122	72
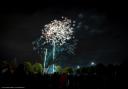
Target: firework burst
58	31
56	34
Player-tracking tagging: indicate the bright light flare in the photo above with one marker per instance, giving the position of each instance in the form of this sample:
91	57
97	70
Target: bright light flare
93	63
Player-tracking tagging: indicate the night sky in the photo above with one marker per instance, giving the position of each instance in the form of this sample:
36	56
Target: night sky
101	34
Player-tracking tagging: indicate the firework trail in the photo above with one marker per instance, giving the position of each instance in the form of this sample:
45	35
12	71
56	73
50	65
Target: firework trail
45	58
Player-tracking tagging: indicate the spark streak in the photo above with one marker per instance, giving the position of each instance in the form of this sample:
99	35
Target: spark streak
45	58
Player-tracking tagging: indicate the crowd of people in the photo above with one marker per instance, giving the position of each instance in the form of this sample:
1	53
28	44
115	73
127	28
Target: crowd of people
95	77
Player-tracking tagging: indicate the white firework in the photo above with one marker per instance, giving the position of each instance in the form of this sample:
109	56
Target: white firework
58	31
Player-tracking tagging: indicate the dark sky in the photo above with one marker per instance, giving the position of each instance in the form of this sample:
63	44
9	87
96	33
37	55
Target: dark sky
102	33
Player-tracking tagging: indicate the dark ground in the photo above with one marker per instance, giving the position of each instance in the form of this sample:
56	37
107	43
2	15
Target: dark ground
99	77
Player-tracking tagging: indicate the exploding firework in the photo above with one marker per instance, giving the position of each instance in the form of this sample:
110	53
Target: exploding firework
58	31
59	35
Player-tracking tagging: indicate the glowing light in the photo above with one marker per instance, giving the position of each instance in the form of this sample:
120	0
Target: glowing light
78	67
92	63
50	69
